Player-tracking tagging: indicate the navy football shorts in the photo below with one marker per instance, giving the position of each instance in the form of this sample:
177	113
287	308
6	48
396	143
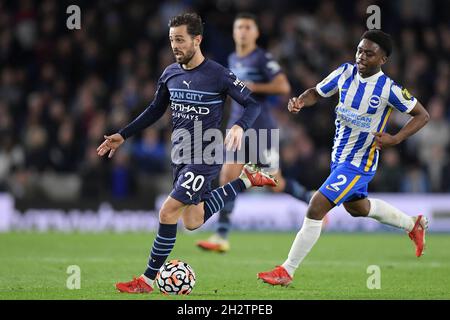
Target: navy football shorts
192	182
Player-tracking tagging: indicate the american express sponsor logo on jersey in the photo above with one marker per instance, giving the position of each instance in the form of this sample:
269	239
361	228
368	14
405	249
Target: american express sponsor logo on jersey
352	118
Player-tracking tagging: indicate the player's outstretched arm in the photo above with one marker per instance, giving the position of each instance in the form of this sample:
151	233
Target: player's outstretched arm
306	99
149	116
419	119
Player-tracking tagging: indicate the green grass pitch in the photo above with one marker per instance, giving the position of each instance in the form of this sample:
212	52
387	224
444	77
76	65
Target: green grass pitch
34	266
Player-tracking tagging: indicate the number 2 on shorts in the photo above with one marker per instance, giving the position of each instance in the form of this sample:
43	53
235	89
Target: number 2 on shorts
341	180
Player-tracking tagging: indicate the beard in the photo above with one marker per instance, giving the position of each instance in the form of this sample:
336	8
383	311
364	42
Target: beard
185	58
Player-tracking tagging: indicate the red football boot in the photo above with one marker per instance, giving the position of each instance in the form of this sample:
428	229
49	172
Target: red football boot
277	276
137	285
417	234
257	177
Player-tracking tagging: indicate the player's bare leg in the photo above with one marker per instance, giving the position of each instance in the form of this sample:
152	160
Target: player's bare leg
303	243
229	172
251	176
385	213
218	242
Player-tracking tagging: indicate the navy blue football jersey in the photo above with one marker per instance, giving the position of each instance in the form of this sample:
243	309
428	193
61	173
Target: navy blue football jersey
196	98
258	67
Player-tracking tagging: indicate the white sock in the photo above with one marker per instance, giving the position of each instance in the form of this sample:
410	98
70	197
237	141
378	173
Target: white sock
303	243
387	214
147	280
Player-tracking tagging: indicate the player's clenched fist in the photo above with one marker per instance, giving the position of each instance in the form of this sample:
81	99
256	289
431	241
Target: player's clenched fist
110	144
296	104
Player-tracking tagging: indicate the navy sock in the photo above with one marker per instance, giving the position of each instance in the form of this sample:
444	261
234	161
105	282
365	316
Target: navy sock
224	225
222	195
162	246
296	190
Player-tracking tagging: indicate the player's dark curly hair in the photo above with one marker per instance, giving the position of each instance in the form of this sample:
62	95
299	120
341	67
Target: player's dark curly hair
380	38
191	20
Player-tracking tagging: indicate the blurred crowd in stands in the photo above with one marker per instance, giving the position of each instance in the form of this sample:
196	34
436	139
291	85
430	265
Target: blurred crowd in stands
61	90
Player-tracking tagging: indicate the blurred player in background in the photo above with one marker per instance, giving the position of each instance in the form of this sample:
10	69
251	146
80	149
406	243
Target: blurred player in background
264	77
196	89
366	99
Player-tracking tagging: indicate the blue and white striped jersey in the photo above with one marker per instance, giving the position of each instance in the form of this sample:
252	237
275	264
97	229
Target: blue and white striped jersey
364	106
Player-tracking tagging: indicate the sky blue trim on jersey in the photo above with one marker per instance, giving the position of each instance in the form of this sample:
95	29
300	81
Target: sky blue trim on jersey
358	95
358	145
346	85
194	91
393	100
377	91
343	142
197	102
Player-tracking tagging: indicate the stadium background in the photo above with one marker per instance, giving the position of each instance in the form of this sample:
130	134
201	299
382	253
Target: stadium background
61	90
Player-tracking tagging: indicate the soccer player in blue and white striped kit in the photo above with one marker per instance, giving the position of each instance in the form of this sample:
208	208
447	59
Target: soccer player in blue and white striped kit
367	98
195	88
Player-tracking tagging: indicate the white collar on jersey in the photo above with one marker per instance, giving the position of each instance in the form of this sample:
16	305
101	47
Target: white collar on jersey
371	78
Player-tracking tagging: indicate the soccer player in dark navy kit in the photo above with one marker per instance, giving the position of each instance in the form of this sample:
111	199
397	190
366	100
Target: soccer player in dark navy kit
264	77
196	89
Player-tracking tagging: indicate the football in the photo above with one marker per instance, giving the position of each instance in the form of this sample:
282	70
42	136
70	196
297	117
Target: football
175	277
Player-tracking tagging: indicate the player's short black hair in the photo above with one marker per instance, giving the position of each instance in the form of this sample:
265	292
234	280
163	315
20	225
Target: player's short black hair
247	15
380	38
191	20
